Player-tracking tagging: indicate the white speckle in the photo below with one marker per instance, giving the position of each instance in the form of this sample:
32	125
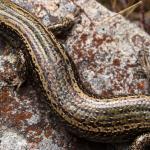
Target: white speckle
140	138
34	119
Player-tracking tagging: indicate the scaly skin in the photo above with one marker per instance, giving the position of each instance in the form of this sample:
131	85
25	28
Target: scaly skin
106	120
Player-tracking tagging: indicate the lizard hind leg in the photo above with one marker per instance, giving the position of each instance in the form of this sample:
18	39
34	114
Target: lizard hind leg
64	24
141	142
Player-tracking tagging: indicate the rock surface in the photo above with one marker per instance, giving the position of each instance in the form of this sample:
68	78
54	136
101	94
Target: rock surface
105	50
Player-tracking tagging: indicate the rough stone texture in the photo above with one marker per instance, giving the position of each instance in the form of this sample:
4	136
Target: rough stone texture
106	53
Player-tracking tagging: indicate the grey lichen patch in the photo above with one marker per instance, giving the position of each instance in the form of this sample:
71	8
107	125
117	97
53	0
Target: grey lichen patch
11	140
34	119
48	144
